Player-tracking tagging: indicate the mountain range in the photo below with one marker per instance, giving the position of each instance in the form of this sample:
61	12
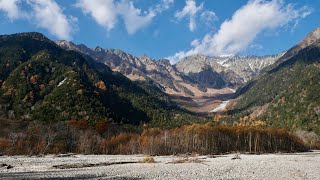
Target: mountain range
193	76
281	89
49	80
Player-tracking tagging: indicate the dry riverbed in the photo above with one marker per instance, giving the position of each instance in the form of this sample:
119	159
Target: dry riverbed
267	166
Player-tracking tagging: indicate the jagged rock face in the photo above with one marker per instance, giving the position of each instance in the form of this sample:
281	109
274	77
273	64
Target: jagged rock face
311	38
209	78
248	67
197	63
138	68
191	76
114	58
67	45
235	70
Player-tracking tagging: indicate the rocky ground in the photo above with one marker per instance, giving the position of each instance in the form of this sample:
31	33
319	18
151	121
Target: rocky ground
268	166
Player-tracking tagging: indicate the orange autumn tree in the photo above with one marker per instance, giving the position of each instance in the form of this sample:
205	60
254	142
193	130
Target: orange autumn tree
101	126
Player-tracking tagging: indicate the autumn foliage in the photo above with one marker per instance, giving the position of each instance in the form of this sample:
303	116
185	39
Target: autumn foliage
80	137
208	139
250	121
101	126
34	79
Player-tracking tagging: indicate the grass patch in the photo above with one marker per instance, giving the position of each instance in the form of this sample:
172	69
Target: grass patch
147	159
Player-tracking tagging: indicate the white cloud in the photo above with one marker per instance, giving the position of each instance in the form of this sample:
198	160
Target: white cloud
107	12
47	14
133	18
236	34
10	7
102	11
166	4
208	17
190	10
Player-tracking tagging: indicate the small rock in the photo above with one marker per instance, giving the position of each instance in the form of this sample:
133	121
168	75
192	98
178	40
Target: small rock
236	157
9	167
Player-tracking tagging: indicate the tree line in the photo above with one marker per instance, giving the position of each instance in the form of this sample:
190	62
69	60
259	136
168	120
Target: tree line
104	138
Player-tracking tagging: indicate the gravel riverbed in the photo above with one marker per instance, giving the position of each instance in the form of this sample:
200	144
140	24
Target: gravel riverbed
266	166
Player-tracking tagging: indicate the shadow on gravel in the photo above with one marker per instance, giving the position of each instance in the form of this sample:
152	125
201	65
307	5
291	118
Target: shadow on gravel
54	175
308	153
81	165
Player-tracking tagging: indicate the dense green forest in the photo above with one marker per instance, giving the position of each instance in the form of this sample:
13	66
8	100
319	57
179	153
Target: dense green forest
41	81
287	95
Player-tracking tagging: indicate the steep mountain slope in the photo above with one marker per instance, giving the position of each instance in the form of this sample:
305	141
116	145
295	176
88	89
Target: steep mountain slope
140	68
311	38
41	81
288	94
196	75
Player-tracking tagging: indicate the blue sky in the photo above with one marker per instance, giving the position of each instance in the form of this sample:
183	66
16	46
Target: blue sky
167	28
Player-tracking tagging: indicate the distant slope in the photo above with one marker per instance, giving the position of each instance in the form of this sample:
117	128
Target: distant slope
41	81
234	71
142	68
196	75
288	93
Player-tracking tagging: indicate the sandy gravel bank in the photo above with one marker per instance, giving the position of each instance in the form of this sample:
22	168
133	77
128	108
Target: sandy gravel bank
269	166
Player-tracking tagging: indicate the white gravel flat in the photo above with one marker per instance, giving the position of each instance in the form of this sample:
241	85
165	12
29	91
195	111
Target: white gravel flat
268	166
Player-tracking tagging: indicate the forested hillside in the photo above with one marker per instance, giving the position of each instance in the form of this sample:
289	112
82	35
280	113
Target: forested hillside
41	81
286	95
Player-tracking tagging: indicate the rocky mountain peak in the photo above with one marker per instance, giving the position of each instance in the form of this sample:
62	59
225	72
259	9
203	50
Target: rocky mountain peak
312	37
190	76
98	48
195	57
82	46
67	45
238	69
145	58
165	62
315	33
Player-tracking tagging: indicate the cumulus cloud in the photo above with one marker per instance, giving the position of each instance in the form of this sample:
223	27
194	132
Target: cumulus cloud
10	7
190	10
48	15
236	34
102	11
45	14
107	12
133	18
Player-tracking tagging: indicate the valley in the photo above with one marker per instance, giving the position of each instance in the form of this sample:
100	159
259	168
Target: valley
197	83
206	102
116	99
165	89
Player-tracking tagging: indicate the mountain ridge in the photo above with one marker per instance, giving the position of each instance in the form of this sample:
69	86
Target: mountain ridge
174	79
